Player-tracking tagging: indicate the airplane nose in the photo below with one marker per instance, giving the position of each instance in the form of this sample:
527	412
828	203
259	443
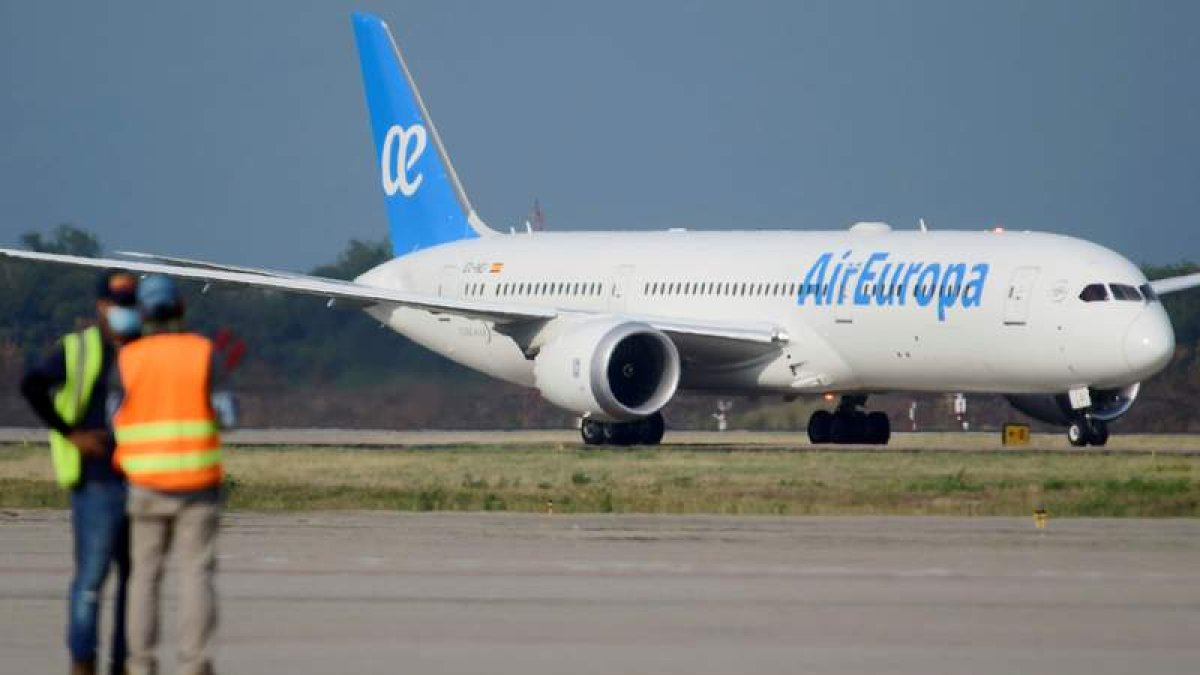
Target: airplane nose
1149	342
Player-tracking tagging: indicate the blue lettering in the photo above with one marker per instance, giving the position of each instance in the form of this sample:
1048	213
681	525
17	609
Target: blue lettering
887	283
883	294
867	276
973	292
912	270
927	284
951	287
814	279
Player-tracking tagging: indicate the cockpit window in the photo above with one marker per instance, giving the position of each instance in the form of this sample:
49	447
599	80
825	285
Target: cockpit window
1148	293
1094	293
1125	292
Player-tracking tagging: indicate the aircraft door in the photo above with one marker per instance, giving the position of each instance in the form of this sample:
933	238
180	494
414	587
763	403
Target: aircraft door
1020	289
448	282
622	286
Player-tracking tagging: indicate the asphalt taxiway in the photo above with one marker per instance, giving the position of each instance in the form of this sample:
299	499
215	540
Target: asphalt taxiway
529	594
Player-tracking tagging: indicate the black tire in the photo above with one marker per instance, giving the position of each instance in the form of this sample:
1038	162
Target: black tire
820	427
651	429
620	433
1077	434
592	432
842	429
879	428
1097	433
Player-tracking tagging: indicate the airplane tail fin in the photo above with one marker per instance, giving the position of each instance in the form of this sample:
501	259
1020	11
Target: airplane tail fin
426	203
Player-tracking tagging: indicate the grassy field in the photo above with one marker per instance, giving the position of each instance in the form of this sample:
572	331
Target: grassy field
678	480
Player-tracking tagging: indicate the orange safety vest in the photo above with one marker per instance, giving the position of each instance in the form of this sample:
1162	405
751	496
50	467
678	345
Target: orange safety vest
166	430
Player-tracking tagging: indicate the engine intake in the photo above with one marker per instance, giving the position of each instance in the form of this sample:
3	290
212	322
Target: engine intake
612	370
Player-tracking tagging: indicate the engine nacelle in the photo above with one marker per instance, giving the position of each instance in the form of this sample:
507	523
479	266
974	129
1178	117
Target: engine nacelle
1107	404
612	370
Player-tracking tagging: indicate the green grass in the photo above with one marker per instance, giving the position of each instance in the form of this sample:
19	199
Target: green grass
678	480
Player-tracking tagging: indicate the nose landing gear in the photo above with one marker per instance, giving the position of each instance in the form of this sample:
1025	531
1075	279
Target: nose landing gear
849	424
1086	431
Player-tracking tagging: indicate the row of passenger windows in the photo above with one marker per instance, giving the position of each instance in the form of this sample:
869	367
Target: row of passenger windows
751	289
578	289
693	288
1100	293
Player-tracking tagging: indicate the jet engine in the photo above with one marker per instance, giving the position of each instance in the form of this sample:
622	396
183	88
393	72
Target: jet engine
1107	404
611	370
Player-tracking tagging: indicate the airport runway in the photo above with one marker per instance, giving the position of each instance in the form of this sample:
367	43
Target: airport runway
1187	444
498	594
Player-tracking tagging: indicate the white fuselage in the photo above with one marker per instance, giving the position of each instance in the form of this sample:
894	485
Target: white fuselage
912	311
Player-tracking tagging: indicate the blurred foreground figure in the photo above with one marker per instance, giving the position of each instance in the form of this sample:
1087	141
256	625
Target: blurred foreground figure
69	391
168	447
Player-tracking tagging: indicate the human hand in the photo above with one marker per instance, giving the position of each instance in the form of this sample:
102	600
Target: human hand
91	442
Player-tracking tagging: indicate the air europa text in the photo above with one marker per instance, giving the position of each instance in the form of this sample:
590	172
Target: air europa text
880	281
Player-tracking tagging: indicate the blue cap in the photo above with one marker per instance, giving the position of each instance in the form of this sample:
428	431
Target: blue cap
158	295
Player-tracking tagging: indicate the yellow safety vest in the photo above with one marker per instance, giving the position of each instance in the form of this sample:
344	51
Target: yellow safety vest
84	352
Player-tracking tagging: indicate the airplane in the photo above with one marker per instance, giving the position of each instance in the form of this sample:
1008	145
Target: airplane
611	325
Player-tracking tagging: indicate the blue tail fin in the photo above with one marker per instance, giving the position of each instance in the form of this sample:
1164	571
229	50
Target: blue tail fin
426	205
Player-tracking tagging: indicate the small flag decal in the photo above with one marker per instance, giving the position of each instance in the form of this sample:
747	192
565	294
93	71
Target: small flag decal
497	268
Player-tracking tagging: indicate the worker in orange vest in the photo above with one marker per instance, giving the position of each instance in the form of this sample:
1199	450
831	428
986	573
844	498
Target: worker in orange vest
169	449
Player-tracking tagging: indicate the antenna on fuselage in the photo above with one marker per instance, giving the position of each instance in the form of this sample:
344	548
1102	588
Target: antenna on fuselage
921	222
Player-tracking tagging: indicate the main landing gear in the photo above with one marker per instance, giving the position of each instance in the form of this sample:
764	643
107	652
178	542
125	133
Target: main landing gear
849	424
1087	431
646	431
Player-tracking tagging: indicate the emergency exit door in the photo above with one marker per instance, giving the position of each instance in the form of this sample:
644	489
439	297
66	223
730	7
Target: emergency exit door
622	285
1020	290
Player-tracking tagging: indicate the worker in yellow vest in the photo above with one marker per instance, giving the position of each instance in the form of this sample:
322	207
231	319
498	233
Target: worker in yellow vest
169	449
69	391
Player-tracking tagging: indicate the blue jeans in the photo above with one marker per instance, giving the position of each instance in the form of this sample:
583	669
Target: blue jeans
101	531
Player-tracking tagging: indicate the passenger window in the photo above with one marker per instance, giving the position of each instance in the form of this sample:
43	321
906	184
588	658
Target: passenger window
1094	293
1125	292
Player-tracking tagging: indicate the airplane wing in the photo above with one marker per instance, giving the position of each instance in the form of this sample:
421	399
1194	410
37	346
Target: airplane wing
760	334
306	285
1173	284
205	265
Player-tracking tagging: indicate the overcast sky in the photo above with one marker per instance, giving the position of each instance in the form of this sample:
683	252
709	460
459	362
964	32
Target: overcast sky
237	131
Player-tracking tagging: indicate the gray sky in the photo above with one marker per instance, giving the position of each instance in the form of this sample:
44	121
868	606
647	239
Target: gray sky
237	131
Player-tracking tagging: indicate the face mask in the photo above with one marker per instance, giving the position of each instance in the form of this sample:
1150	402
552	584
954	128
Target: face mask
123	321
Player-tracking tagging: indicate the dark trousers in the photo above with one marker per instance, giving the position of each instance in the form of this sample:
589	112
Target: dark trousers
101	531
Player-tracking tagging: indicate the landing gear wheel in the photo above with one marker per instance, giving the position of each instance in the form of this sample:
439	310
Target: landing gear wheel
820	425
1077	434
1097	432
650	430
879	428
849	424
616	433
842	429
592	432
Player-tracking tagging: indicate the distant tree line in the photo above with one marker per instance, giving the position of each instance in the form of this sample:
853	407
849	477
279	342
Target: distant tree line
311	365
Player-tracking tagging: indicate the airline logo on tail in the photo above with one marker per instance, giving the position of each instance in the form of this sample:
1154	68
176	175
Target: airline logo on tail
402	148
426	205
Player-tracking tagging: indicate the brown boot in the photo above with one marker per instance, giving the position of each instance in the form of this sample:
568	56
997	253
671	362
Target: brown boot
83	668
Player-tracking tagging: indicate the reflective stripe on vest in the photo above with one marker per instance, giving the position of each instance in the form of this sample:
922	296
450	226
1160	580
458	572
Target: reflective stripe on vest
159	463
152	432
84	356
165	428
